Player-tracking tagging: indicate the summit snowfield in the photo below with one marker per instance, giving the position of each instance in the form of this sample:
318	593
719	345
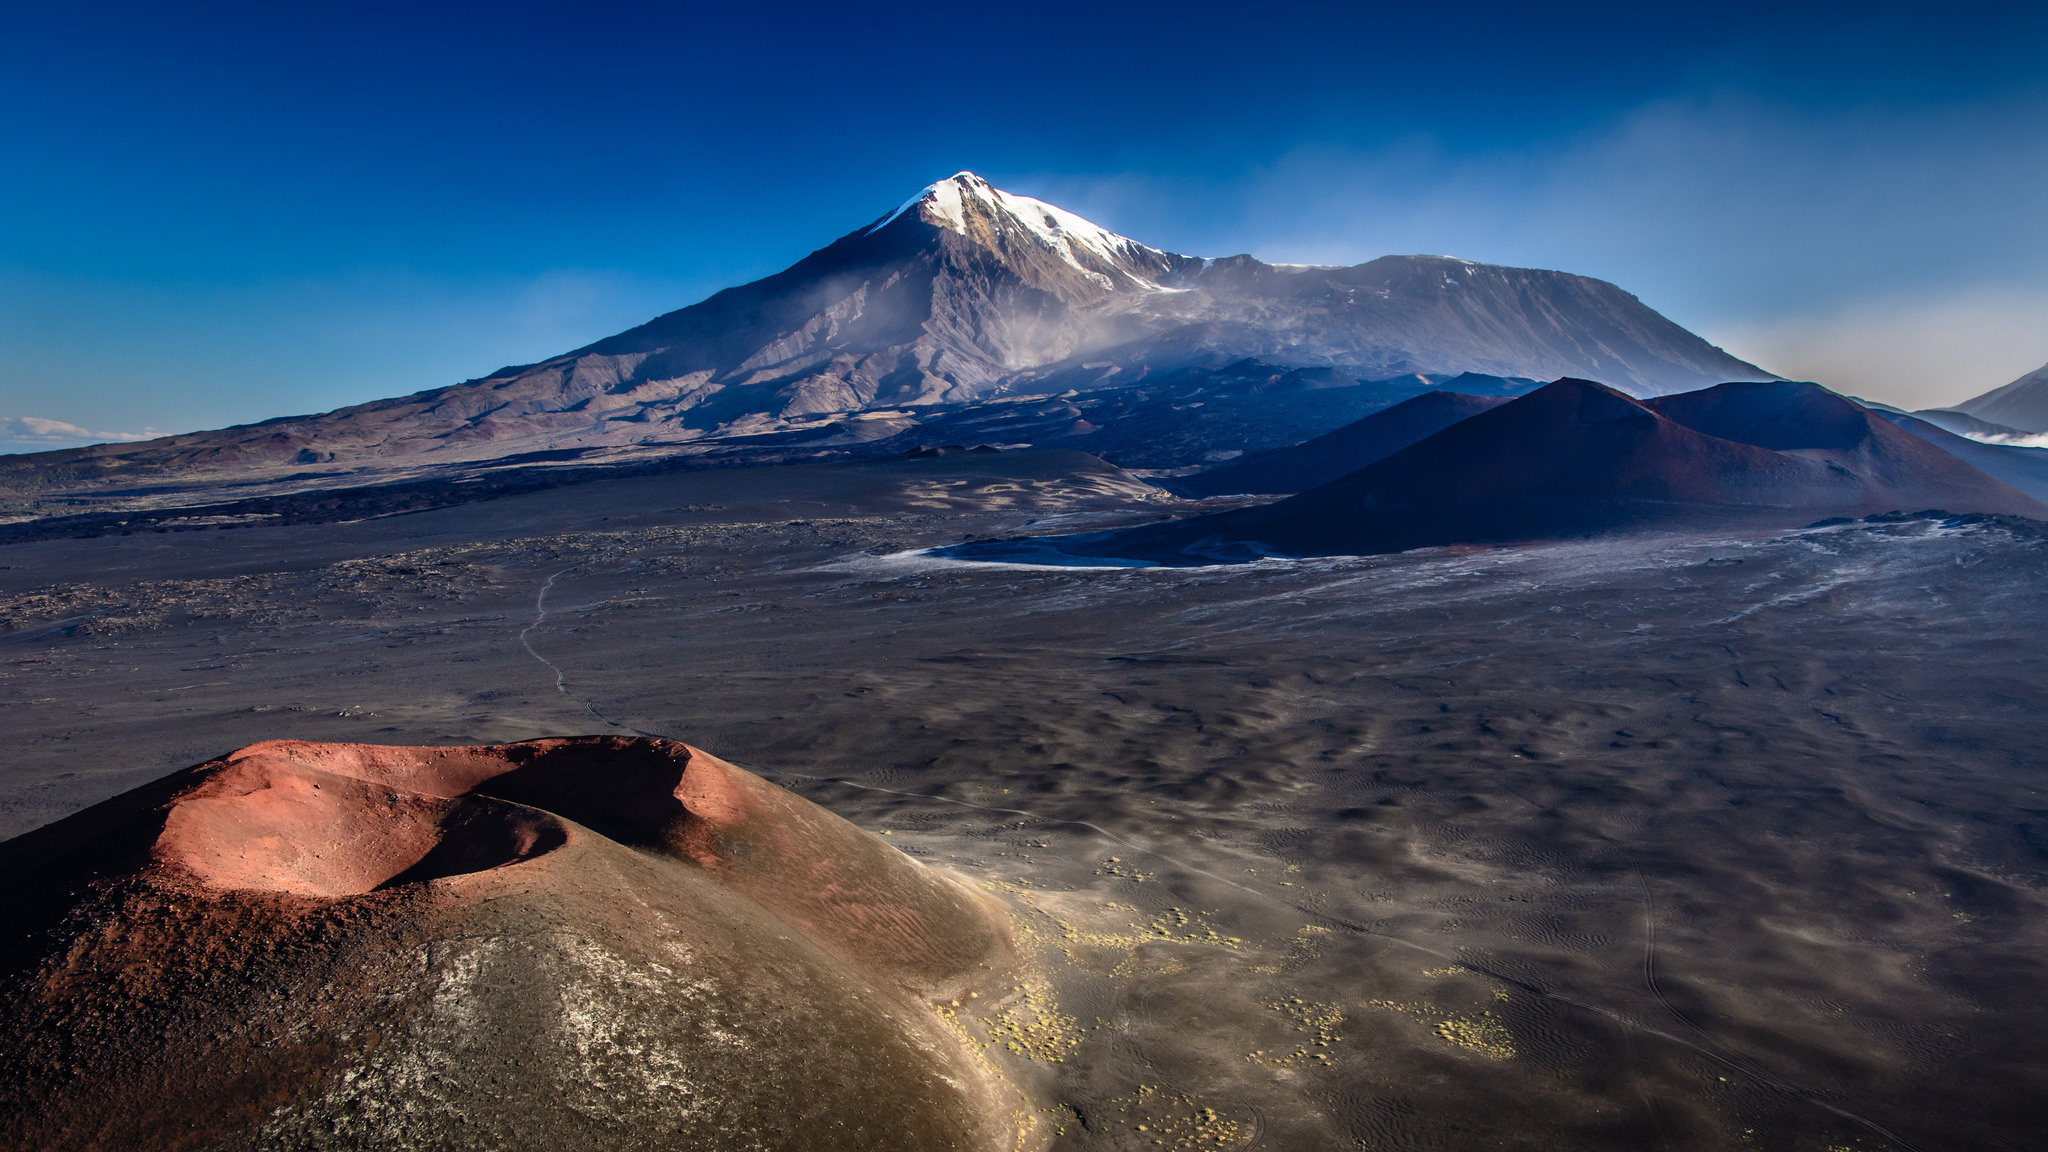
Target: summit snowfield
1019	226
963	295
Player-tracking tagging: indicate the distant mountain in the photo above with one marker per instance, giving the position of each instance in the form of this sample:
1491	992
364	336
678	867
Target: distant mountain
963	295
1577	458
2022	404
1333	454
1895	461
2024	468
1484	384
1178	418
1964	424
1430	314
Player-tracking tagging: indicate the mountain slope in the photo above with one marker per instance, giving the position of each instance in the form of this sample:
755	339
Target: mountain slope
1964	424
1432	314
2024	468
567	943
962	294
1897	465
1576	458
1334	454
2022	404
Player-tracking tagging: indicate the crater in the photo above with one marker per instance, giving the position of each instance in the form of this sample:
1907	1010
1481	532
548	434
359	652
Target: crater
269	824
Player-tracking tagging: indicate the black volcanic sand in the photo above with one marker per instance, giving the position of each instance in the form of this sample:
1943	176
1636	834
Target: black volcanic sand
1654	842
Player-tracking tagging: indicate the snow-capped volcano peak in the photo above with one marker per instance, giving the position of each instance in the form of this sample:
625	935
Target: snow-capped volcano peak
963	200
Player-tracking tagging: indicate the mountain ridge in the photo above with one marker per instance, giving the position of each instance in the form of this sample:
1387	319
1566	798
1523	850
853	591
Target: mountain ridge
1311	463
963	295
2022	404
1576	458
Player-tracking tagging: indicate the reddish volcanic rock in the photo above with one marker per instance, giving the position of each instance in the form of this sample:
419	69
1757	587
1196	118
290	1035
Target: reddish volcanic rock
582	943
1575	458
1346	450
267	822
1901	471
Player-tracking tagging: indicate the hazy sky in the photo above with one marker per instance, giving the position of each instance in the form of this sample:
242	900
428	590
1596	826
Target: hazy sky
220	213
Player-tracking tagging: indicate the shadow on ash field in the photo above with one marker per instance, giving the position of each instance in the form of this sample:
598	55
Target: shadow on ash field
1644	843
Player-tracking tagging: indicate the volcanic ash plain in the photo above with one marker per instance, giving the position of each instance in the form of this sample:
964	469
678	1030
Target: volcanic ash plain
1703	842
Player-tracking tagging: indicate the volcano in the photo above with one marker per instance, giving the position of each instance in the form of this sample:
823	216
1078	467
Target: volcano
572	943
2024	468
963	295
1334	454
1576	458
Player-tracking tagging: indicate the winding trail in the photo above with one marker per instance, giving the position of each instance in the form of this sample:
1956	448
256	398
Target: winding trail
540	615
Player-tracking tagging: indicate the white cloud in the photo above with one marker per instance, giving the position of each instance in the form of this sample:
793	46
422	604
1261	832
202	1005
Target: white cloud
1718	207
1899	252
1910	352
2023	440
36	434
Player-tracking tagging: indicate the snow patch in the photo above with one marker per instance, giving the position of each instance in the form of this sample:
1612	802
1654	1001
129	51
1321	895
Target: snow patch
1060	231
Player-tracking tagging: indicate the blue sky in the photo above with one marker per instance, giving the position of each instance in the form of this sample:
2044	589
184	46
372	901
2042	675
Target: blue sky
219	213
